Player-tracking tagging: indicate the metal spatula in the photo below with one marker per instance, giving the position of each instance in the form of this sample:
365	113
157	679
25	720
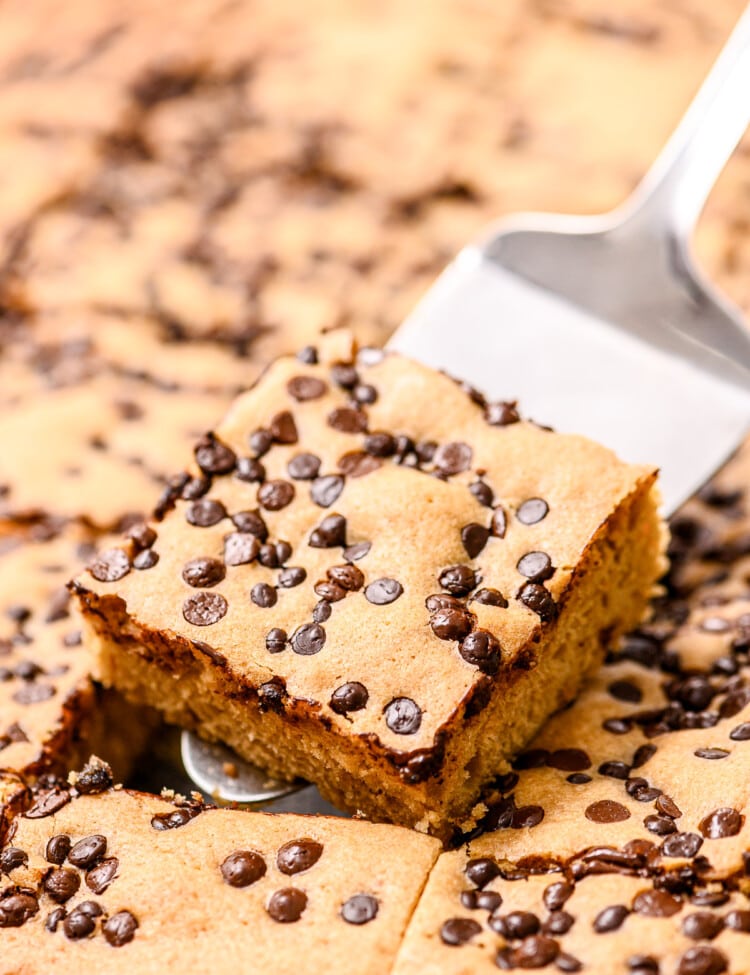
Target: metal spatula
597	325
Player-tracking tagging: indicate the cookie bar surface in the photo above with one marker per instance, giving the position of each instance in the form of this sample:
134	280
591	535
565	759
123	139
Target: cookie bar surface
377	581
115	880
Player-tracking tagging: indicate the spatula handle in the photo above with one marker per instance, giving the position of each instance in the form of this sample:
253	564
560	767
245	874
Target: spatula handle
674	191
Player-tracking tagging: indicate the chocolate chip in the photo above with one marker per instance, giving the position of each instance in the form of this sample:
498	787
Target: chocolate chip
330	533
78	924
251	523
459	580
625	690
526	817
682	845
120	928
357	463
453	458
741	732
213	456
275	495
283	429
61	884
702	960
360	909
242	868
539	600
329	591
607	811
348	697
146	559
286	905
292	576
205	512
193	487
304	467
205	608
536	566
268	556
365	394
501	414
614	770
482	492
569	760
298	855
344	375
721	823
12	858
403	716
474	537
451	624
101	876
53	919
95	777
321	611
702	926
556	895
643	965
48	803
738	920
250	470
481	872
660	825
260	442
308	639
532	511
667	806
17	908
346	420
380	444
203	572
304	388
610	918
141	534
263	595
240	548
357	551
276	640
459	930
349	577
325	490
499	524
656	903
480	649
383	591
568	963
87	851
308	355
111	565
490	597
175	818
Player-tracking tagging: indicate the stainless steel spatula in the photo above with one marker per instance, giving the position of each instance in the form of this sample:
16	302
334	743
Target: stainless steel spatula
597	325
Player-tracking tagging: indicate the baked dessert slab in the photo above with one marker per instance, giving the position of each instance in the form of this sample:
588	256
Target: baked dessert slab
121	882
376	581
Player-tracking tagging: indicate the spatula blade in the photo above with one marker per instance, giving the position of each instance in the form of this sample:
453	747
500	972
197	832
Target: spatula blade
572	371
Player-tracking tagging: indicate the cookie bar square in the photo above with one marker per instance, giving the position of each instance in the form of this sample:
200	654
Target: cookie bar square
117	880
373	579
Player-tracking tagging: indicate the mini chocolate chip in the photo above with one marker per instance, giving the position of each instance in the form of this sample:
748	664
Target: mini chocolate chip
360	909
99	877
357	463
403	716
329	591
348	697
702	960
276	640
459	580
252	523
481	872
381	592
205	608
304	388
459	930
702	926
61	884
304	467
286	905
141	534
292	576
283	552
656	903
53	919
260	442
242	868
344	375
321	611
490	597
263	595
721	823
521	924
539	600
194	487
283	429
205	512
346	420
741	732
536	566
120	928
532	511
78	924
298	855
682	845
250	470
482	492
365	394
308	639
559	922
12	858
87	851
380	444
213	456
308	355
607	811
275	495
499	524
610	918
568	963
501	414
146	559
487	900
480	649
453	458
325	490
111	565
330	533
240	548
356	551
268	556
474	537
203	572
451	624
556	895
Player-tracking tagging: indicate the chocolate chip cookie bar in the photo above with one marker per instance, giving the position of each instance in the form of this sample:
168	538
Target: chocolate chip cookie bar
95	876
375	580
480	914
